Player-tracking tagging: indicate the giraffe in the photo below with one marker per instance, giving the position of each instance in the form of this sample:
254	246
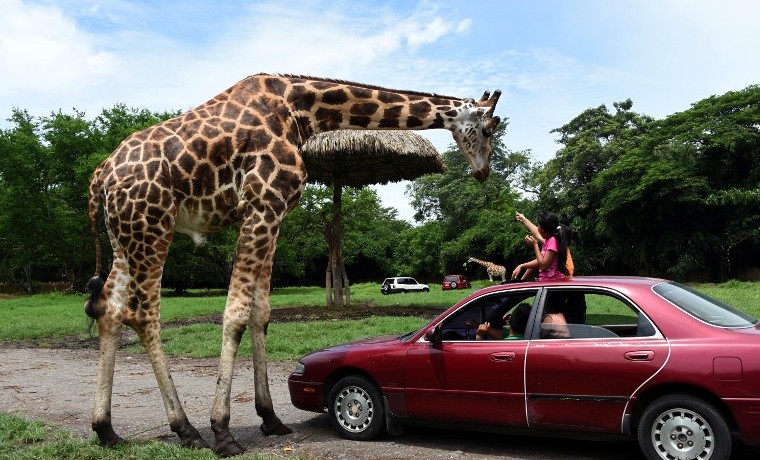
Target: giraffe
233	158
491	268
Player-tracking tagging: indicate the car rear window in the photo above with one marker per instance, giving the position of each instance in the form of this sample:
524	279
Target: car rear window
706	308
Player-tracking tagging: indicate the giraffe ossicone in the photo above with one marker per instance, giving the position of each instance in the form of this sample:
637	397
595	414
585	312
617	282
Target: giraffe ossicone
233	158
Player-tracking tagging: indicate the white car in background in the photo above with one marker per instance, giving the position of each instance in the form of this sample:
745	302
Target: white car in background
402	284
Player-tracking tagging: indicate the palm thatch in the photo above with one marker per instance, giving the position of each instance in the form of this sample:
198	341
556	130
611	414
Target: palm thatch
357	158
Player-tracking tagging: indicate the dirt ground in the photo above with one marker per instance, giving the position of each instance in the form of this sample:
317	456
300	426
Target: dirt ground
57	385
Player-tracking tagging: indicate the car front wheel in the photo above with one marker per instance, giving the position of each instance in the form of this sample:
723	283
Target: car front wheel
356	408
683	426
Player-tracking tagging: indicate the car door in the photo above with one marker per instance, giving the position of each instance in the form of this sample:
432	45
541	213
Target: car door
584	381
460	379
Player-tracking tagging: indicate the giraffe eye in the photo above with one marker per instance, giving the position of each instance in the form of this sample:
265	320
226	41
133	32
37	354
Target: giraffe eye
487	132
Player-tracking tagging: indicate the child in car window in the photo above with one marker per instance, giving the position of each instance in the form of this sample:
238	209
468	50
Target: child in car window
553	259
517	321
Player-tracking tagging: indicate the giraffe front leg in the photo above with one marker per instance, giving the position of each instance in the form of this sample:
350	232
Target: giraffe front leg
264	407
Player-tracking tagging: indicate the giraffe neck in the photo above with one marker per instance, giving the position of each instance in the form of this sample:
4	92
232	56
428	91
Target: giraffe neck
325	105
481	262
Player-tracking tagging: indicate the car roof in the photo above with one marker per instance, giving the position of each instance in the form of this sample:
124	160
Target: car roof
616	282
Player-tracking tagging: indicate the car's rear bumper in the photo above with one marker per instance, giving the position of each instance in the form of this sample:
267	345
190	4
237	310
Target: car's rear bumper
305	395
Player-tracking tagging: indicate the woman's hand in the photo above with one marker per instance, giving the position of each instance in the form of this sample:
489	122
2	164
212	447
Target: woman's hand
530	240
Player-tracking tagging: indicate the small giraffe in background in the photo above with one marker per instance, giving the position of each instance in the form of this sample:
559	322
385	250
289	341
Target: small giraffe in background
491	268
235	158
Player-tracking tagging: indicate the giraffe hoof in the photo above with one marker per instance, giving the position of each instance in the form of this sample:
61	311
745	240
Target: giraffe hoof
106	435
277	428
111	442
229	448
195	443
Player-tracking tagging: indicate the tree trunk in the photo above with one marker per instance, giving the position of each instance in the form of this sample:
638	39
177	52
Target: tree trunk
336	282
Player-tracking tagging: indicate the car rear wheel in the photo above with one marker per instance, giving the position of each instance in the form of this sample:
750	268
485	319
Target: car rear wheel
356	408
683	427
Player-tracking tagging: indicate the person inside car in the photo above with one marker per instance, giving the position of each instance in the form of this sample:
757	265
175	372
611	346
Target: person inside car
517	321
554	322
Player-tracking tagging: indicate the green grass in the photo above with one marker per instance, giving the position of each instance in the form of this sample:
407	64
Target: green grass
743	295
285	341
22	439
58	315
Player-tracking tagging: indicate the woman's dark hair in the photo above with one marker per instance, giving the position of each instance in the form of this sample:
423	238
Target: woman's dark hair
549	222
519	318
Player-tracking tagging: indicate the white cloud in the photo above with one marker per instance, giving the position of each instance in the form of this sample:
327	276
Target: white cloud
43	51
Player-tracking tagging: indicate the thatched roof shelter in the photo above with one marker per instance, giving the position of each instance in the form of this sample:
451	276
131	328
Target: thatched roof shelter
357	158
362	157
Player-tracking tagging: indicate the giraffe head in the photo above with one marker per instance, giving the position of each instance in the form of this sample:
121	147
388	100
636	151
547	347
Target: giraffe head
473	128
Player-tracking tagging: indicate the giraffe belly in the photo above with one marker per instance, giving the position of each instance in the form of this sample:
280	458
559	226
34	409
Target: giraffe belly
197	223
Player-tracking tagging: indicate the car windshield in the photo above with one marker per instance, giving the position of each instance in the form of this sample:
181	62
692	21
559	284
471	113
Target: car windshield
703	307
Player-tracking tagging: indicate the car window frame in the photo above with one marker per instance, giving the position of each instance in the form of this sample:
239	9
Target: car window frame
534	323
535	289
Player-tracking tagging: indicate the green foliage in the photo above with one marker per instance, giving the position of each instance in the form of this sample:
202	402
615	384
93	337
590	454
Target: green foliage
45	167
676	197
370	231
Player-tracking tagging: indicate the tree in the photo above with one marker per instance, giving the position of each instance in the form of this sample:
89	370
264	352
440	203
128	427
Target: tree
472	219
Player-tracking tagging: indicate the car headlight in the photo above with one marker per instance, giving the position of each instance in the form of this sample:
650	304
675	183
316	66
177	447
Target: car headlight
300	368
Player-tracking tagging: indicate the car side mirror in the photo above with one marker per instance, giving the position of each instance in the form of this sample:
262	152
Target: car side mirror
433	335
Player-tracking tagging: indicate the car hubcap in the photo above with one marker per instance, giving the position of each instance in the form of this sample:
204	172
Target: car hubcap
680	434
354	409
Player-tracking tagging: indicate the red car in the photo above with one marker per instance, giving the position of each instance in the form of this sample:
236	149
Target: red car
455	282
642	358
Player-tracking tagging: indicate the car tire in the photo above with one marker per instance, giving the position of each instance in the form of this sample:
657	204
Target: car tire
683	426
355	408
453	285
426	290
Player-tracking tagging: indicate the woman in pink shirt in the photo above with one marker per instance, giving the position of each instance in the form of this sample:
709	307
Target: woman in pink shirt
551	257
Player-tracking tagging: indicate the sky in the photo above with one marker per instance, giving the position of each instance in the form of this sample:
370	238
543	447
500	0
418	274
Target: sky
551	59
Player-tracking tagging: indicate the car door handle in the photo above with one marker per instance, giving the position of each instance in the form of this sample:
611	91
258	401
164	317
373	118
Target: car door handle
503	356
639	355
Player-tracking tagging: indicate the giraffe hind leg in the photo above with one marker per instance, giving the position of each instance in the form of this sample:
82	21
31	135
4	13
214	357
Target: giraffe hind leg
105	306
143	306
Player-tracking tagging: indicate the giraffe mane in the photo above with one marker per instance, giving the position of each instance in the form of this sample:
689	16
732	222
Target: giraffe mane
361	85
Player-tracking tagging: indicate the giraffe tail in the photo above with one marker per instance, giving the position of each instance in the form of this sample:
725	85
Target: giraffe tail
96	283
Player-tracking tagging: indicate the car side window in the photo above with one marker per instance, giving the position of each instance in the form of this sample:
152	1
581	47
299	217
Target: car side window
494	309
593	315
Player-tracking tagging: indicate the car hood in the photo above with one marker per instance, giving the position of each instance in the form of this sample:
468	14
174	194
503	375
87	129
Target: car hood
358	343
